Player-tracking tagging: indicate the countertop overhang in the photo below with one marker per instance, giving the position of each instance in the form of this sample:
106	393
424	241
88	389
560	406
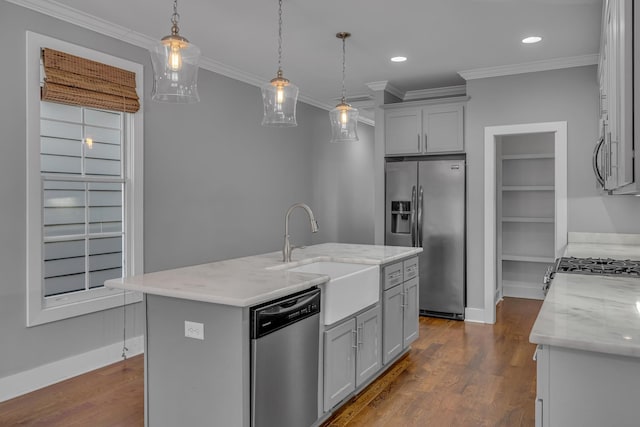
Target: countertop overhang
244	282
591	312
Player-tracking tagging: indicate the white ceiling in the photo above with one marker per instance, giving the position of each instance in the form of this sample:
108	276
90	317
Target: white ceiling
440	37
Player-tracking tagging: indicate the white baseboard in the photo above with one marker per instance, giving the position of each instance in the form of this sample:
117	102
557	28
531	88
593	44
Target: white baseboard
475	315
51	373
516	291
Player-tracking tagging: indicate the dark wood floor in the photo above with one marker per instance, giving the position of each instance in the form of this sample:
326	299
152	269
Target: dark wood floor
110	396
457	374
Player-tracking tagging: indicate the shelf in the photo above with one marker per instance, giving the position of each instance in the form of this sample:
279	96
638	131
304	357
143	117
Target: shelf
528	188
527	156
527	219
523	258
529	204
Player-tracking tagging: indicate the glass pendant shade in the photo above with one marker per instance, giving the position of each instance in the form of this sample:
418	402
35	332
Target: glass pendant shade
344	118
175	70
279	97
344	123
175	66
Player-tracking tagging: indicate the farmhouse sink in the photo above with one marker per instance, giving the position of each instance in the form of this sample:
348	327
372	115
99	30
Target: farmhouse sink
351	288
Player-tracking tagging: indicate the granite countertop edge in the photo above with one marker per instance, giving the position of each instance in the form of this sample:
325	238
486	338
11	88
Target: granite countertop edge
591	312
252	280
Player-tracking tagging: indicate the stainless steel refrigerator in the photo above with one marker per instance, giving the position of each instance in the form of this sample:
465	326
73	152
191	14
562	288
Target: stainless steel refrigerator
425	207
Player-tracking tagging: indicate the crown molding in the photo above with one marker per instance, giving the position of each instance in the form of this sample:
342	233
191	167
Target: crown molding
530	67
367	121
364	104
424	102
360	101
106	28
85	20
101	26
386	86
439	92
375	86
231	72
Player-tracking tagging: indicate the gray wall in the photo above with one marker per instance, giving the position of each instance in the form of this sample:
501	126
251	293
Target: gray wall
217	186
342	177
569	95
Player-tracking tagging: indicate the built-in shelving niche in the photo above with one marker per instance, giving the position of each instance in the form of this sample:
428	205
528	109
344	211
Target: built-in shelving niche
525	212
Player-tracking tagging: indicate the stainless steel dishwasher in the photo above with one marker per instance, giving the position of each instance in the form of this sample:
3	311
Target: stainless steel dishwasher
284	361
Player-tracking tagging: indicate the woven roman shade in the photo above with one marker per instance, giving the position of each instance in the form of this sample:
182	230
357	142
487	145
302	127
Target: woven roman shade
73	80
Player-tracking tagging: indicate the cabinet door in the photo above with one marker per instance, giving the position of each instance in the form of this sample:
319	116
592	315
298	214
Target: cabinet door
624	46
402	131
541	357
369	358
611	55
443	128
410	312
392	318
339	363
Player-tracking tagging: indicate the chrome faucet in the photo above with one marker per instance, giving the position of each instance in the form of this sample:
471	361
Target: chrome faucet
287	248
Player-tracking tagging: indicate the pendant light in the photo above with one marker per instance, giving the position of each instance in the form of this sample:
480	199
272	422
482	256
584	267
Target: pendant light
344	118
279	95
175	66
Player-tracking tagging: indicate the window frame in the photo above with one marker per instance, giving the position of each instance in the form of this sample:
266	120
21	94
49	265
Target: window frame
92	300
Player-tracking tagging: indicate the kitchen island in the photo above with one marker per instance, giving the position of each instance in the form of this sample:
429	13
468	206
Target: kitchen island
588	336
204	379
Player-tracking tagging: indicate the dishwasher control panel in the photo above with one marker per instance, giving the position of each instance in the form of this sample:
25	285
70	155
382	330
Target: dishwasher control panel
274	315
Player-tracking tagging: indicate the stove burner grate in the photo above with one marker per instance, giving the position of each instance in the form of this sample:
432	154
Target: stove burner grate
601	266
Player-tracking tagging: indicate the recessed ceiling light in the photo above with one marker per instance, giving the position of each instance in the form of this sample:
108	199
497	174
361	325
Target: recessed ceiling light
398	59
532	39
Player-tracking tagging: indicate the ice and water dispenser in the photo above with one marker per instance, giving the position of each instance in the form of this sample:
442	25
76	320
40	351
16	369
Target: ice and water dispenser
401	216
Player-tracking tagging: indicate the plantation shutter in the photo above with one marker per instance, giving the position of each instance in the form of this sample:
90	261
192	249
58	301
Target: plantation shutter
83	216
73	80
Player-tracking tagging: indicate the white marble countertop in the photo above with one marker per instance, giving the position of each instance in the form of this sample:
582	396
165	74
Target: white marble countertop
248	281
590	312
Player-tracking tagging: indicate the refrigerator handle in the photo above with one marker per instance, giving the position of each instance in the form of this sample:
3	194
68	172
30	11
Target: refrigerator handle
420	219
413	216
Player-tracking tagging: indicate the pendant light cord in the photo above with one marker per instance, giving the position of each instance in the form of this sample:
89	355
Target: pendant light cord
175	18
344	68
279	37
124	325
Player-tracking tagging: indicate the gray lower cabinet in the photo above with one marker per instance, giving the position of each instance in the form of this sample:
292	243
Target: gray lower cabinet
392	326
368	357
410	311
339	363
586	388
351	355
400	314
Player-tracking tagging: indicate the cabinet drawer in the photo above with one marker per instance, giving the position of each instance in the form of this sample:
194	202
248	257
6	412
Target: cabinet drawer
393	275
410	268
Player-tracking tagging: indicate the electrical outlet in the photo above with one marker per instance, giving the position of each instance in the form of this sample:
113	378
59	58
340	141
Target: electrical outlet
194	330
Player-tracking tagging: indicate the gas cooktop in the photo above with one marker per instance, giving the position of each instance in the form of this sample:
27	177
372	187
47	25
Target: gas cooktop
600	266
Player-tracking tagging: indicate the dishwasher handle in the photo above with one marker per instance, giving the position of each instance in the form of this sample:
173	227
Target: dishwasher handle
275	315
285	308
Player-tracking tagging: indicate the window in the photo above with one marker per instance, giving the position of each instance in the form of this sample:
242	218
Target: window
84	201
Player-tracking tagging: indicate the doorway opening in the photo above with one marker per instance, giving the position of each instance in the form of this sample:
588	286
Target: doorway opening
525	211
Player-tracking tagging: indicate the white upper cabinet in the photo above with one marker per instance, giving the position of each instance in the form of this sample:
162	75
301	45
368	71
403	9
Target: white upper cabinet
402	131
419	129
616	89
443	128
